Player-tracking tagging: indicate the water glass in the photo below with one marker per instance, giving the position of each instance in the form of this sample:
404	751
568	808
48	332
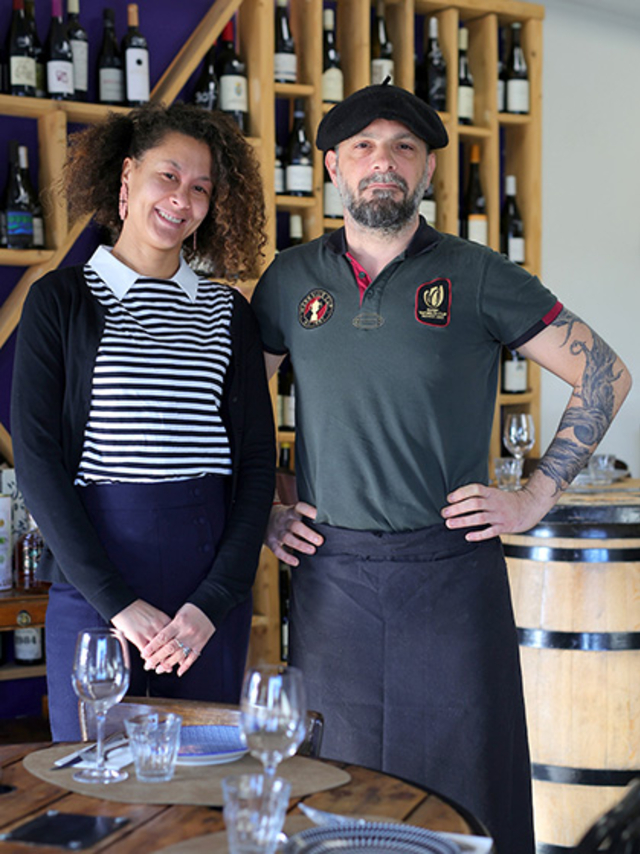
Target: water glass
508	472
254	811
602	468
154	740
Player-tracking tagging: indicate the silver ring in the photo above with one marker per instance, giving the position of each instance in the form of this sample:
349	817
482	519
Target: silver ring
186	649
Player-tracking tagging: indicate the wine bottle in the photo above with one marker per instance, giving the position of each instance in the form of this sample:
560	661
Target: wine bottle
26	556
59	59
475	221
514	378
502	97
284	457
517	75
286	397
512	242
4	70
331	201
465	80
37	213
279	178
110	65
205	94
285	61
232	79
22	63
296	236
332	77
79	50
28	646
428	207
18	215
38	52
381	48
299	168
136	60
431	74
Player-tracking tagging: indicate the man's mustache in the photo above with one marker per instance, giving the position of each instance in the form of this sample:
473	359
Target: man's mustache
383	178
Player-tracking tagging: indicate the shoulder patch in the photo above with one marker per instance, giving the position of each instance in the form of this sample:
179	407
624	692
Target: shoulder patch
433	303
316	308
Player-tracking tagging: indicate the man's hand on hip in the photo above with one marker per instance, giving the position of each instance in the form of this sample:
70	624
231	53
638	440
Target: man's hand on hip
286	531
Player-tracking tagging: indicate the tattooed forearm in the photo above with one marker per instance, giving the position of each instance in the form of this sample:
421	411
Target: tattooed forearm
594	402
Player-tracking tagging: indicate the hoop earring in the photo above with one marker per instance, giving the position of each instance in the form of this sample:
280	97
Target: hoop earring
123	201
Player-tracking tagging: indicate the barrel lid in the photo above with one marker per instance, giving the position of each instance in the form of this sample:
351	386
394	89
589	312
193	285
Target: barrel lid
590	521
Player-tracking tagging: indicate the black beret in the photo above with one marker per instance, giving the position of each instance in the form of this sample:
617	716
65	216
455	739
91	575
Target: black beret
381	101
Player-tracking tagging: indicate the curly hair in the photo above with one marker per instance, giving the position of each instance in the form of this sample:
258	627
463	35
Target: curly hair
232	235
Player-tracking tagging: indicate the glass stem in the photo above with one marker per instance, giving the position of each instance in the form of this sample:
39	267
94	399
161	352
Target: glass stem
100	722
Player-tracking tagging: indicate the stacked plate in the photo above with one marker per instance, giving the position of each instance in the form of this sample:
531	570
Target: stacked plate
210	745
375	837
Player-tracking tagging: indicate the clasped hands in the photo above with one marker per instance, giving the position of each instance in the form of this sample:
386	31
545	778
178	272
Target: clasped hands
165	643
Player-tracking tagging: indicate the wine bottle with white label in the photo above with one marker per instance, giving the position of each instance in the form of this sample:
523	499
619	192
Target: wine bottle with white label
516	75
110	65
28	646
428	207
331	200
59	58
465	80
512	241
232	78
285	61
22	63
475	223
514	372
382	65
299	169
332	77
136	61
79	42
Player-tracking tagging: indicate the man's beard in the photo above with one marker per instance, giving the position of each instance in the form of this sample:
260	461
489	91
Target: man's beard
383	211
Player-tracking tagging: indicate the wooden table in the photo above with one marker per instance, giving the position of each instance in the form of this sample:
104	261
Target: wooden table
151	828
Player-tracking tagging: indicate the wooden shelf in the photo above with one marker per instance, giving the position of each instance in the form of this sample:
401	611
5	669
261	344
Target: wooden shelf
295	202
293	90
24	257
20	671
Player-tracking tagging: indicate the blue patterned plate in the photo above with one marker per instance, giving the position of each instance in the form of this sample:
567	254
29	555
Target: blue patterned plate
210	745
376	837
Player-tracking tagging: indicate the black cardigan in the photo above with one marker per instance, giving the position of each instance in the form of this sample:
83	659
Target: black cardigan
58	339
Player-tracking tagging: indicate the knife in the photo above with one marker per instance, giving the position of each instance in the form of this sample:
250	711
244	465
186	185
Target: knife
114	741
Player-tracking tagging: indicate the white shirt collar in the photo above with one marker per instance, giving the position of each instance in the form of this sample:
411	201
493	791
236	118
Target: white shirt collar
120	279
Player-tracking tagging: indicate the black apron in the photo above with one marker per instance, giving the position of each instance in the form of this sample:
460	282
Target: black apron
408	647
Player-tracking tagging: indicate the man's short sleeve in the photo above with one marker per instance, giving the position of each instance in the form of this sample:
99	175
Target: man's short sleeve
266	303
514	304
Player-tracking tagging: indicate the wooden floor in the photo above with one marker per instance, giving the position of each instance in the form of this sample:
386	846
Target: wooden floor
21	730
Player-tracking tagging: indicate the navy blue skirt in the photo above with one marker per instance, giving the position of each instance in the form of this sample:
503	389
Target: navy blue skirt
163	538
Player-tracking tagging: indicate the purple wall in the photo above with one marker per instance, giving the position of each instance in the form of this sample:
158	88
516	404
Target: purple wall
166	25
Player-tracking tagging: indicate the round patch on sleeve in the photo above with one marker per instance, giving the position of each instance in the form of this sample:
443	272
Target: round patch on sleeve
433	303
316	308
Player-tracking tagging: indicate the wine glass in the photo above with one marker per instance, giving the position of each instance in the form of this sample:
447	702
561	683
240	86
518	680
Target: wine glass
100	678
519	435
273	713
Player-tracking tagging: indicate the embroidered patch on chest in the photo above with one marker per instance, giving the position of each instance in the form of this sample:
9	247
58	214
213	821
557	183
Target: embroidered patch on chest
316	308
433	303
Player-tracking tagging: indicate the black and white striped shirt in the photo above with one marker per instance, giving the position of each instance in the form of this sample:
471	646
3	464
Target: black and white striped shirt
158	376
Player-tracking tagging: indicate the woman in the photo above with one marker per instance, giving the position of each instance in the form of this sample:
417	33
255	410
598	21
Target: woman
141	417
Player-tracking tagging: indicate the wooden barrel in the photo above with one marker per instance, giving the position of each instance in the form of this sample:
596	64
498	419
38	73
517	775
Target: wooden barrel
575	582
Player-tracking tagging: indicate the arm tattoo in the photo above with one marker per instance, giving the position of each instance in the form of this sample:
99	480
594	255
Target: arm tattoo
590	420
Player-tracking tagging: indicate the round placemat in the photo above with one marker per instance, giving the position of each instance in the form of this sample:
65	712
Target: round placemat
197	785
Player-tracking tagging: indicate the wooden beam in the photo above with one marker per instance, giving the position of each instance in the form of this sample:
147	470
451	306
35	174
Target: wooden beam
6	445
194	50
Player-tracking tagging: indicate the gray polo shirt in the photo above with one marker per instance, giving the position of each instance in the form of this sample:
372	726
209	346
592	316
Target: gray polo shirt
395	384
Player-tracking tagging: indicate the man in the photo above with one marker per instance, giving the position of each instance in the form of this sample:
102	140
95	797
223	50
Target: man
401	616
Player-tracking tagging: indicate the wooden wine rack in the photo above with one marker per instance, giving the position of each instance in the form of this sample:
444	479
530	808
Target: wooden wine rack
255	31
